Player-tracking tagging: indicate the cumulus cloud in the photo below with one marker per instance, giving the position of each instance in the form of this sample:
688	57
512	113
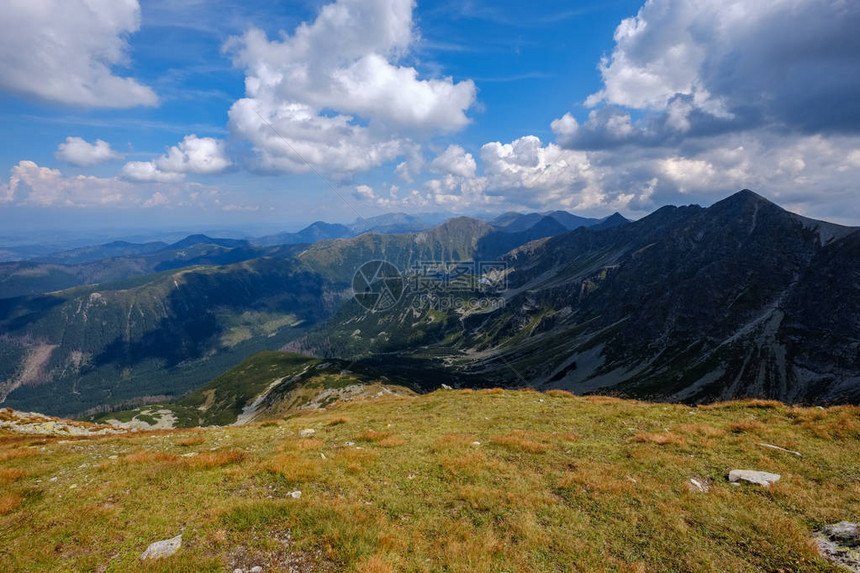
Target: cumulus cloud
411	168
334	90
63	51
146	171
79	152
533	174
30	184
201	155
456	161
703	97
292	137
705	67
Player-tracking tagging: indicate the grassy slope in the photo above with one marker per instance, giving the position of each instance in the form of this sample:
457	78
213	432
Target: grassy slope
557	483
220	402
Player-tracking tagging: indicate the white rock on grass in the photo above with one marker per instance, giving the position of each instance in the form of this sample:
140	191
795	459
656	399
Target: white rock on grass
161	549
307	433
700	485
752	476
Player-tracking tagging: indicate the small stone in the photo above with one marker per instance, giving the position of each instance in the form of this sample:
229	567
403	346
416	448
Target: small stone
349	443
256	569
237	570
114	457
751	476
446	387
476	443
161	549
295	494
307	433
700	485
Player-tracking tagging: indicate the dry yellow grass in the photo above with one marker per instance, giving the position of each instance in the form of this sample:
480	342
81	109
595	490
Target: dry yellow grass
339	420
747	426
17	453
9	502
216	459
451	440
8	475
376	564
372	436
659	438
304	444
294	467
150	457
192	441
701	430
520	440
391	442
559	393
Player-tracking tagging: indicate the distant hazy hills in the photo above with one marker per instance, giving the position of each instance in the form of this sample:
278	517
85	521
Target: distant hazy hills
690	304
156	321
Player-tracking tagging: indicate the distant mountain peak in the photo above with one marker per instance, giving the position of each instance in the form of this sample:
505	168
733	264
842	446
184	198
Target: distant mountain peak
200	239
745	197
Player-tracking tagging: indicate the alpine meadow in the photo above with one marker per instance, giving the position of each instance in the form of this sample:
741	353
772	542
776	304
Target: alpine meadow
430	285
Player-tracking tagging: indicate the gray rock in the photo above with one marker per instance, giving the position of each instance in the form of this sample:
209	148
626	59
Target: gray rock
256	569
844	532
840	543
751	476
161	549
307	433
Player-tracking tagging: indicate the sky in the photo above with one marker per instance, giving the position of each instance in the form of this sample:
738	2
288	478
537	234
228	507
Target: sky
262	116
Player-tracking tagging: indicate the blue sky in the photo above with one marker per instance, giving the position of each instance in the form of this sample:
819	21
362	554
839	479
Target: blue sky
220	113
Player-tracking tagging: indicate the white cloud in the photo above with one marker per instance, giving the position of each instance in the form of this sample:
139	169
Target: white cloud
146	171
532	174
299	138
707	66
63	51
364	193
79	152
565	128
411	168
202	155
334	89
30	184
456	161
158	199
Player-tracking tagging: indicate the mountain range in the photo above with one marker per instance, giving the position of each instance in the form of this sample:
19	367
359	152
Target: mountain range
690	304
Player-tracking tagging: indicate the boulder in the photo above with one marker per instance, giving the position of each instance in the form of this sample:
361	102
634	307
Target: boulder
307	433
752	476
161	549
